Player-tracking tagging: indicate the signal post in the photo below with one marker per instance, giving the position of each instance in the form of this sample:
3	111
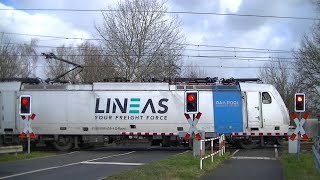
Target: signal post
26	115
299	107
191	102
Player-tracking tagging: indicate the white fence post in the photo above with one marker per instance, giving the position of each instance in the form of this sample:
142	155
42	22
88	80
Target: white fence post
221	150
211	150
201	141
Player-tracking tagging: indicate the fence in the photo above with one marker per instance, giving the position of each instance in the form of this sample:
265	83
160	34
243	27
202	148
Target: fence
11	149
221	151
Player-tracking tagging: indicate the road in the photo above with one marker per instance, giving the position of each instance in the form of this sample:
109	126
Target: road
80	165
260	164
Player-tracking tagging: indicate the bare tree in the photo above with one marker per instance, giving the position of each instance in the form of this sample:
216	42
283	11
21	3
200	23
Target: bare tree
96	65
308	66
192	71
56	67
17	60
285	80
141	40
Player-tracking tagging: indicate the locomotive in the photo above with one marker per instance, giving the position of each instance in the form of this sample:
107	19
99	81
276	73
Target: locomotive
248	112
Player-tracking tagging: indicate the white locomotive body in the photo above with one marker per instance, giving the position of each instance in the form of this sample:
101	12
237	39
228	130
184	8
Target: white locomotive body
69	114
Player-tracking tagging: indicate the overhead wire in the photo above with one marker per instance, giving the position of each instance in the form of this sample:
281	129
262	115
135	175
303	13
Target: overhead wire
166	12
186	44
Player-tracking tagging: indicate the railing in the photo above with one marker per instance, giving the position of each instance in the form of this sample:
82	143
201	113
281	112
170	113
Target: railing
11	149
221	151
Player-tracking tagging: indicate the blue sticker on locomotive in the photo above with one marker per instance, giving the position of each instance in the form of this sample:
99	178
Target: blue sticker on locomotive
227	111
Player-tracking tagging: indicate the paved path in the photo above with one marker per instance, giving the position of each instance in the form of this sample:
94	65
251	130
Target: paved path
258	164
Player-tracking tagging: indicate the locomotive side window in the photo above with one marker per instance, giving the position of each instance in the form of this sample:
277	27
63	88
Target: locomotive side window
266	98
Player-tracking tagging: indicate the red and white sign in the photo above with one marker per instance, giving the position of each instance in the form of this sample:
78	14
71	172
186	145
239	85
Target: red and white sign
299	125
193	128
27	128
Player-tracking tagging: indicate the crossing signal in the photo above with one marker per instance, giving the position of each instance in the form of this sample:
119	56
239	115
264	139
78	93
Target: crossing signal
25	105
191	102
299	102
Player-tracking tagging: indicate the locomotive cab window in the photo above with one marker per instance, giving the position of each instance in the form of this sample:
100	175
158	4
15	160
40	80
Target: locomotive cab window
266	98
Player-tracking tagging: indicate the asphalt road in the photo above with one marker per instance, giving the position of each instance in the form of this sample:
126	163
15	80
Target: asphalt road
79	165
260	164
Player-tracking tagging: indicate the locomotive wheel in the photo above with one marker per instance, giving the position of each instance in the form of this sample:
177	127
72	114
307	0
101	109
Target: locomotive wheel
247	144
64	143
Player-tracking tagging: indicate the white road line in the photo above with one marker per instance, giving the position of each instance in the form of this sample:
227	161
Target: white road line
276	154
259	158
54	155
66	165
113	163
235	152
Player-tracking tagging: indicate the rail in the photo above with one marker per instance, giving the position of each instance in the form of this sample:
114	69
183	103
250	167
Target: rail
11	149
221	151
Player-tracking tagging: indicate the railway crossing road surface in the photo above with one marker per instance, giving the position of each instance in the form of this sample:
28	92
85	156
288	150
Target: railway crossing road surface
79	165
260	164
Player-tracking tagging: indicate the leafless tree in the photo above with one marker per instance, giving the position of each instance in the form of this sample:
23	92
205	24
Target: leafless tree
191	70
284	78
17	60
93	59
141	40
96	63
308	66
56	67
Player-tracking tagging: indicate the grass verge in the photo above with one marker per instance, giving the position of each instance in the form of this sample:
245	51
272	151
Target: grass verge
24	155
181	166
295	169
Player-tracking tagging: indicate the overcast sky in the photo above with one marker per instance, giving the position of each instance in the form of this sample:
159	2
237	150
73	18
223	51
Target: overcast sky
215	30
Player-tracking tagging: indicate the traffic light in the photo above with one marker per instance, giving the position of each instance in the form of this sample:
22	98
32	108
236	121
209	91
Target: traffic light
191	102
299	102
25	105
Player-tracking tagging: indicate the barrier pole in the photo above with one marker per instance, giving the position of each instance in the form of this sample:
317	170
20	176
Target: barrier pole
224	144
220	146
201	154
211	150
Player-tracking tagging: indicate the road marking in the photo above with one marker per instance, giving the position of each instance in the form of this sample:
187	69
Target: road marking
113	163
235	152
276	152
256	158
66	165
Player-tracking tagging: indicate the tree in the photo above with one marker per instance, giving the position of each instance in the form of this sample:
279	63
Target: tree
278	73
56	67
141	40
192	71
17	60
96	65
308	67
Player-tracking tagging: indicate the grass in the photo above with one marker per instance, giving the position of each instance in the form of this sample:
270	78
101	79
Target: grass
303	169
24	155
181	166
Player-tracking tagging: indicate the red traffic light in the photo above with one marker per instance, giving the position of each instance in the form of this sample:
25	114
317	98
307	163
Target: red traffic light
299	98
25	105
191	102
190	98
24	101
299	102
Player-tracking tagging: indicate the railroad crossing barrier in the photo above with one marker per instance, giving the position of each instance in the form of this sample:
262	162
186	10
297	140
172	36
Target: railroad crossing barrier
11	149
221	151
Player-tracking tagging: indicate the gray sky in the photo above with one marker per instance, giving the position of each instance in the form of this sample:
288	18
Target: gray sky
215	30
